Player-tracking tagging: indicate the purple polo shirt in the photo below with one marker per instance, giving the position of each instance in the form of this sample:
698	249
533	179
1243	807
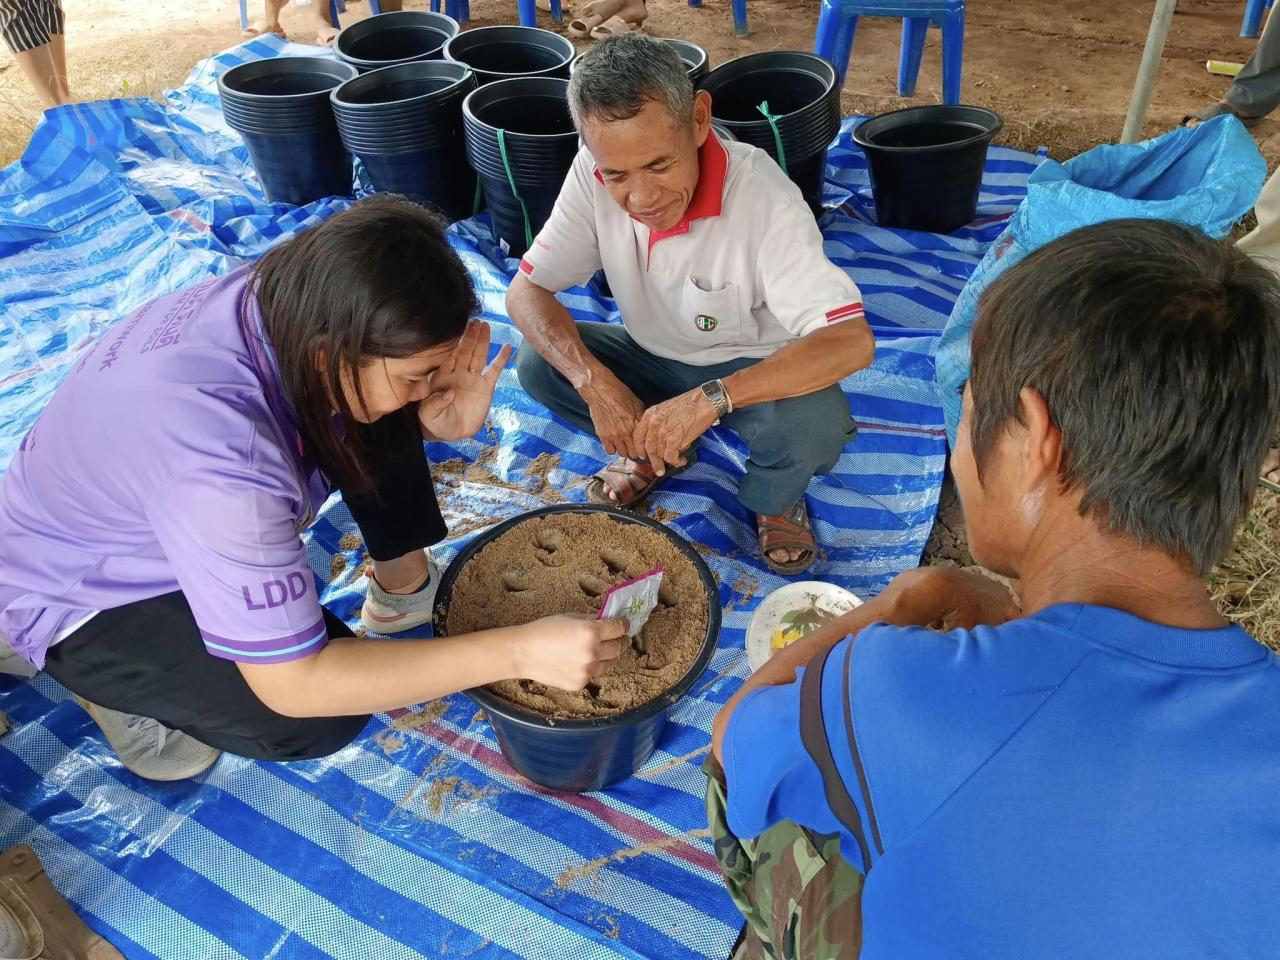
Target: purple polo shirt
168	460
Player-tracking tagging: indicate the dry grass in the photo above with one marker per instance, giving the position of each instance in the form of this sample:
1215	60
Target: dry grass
1245	585
20	110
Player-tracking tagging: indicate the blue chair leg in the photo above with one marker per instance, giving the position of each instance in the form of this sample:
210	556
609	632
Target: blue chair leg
557	12
528	13
740	25
695	3
244	15
374	8
952	56
914	31
834	38
1253	11
435	6
333	13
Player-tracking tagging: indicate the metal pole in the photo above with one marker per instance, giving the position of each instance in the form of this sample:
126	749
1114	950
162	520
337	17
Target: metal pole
1161	19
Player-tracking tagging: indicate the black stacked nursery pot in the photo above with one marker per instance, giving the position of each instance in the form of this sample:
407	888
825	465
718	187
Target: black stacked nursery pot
580	755
503	53
521	141
801	93
280	107
391	38
926	164
405	125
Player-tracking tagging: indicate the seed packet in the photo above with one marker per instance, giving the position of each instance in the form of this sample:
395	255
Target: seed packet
633	600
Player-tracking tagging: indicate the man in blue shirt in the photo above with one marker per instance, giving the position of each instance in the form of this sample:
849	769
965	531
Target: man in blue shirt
1098	776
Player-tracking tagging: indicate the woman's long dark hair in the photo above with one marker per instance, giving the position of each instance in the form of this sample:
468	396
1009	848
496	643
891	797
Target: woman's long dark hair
377	280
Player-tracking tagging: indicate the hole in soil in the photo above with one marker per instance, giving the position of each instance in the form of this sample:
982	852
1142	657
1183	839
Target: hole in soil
516	579
549	558
616	560
592	690
667	596
530	686
549	539
592	586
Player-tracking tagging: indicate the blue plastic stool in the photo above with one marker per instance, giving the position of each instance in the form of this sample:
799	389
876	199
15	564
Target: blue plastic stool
1253	11
740	25
839	20
528	11
333	11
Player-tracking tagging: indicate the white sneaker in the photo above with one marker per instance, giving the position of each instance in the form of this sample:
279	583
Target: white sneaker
149	748
396	612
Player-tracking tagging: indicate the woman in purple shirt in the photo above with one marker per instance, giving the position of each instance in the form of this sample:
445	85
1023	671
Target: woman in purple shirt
152	561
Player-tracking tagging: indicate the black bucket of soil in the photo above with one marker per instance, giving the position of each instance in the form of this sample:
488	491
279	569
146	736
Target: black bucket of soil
521	141
501	53
391	38
405	125
926	164
559	560
695	59
280	107
785	103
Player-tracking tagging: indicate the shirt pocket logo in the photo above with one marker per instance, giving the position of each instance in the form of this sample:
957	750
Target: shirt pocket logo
714	311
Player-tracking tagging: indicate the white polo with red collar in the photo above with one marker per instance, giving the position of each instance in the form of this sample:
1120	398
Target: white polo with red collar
742	274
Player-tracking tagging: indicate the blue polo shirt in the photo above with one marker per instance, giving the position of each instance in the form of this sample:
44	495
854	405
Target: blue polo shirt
1078	783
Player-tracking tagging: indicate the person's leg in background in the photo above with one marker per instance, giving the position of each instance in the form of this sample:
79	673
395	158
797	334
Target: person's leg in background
33	31
270	21
1255	92
800	898
168	706
1263	242
400	520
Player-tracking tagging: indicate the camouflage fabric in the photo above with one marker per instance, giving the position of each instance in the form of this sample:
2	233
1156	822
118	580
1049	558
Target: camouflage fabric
801	898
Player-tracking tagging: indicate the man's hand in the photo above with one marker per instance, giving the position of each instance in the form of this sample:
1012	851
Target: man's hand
670	428
946	598
462	389
615	412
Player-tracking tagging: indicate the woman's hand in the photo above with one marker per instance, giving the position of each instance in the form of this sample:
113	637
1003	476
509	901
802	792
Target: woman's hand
462	389
568	651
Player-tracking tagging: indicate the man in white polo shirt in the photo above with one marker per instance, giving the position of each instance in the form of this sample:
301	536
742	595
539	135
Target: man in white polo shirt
731	311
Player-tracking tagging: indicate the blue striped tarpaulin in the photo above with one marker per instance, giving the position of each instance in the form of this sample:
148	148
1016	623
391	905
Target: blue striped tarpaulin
418	839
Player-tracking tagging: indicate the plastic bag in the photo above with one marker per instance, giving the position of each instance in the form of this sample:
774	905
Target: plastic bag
1207	177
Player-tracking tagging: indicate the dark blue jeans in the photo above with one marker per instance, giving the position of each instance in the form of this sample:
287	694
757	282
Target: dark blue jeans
788	441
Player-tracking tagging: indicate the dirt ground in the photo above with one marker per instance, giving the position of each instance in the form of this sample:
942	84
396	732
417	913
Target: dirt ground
1059	71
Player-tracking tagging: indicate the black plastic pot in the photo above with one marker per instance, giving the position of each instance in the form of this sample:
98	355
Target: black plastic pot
803	94
405	125
391	38
695	59
501	53
533	115
926	164
577	756
280	107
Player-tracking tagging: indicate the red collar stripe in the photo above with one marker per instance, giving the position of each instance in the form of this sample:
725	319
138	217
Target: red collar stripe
526	268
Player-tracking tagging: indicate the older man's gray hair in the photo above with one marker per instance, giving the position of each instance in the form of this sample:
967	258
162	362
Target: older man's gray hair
619	75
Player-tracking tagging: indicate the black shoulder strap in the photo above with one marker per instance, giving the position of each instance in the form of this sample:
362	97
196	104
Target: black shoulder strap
813	734
857	755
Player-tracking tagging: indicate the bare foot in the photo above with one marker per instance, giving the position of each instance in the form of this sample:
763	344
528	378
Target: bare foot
633	11
326	32
1271	466
604	9
261	26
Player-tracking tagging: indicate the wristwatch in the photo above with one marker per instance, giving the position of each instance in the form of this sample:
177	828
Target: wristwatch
714	391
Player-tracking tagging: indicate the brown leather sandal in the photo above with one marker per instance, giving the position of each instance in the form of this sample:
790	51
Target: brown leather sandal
630	481
788	531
